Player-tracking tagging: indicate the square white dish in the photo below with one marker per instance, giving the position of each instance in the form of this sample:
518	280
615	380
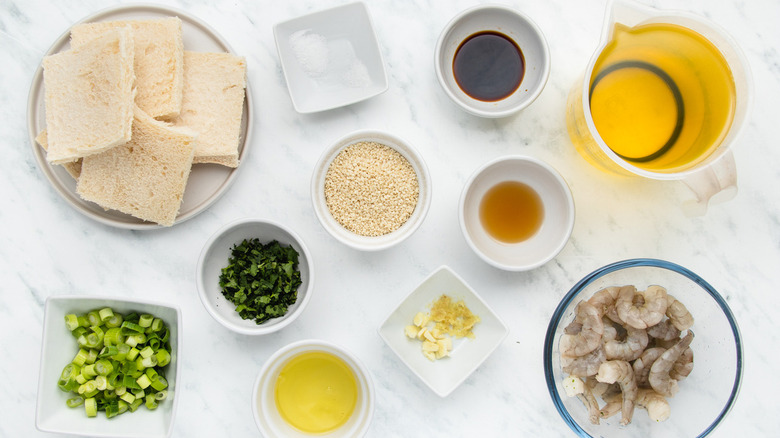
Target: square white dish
58	349
446	374
330	58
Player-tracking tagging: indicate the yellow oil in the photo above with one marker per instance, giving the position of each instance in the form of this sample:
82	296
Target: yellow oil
316	392
662	97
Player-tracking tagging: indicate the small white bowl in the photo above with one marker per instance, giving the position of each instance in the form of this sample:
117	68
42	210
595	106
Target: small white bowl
267	417
214	257
510	23
330	58
347	237
556	226
58	349
446	374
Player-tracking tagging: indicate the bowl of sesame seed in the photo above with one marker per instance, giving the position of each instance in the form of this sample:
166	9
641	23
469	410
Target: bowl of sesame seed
371	190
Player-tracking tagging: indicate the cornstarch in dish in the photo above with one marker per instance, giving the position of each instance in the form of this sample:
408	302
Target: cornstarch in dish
311	51
371	189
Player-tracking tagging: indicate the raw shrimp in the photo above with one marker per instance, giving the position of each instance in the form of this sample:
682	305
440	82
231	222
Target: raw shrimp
683	366
678	314
641	309
614	403
659	377
628	349
643	363
589	337
583	366
656	405
621	372
664	330
604	301
610	331
574	386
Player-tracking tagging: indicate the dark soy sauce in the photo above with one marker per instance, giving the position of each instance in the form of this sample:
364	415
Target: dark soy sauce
488	66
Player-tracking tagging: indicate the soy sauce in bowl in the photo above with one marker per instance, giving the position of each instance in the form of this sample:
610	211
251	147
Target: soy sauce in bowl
488	66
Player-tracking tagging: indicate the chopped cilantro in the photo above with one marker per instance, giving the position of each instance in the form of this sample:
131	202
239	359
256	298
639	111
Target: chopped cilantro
261	279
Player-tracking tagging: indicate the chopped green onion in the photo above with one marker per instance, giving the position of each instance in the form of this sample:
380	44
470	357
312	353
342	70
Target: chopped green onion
94	318
67	381
74	402
151	403
113	336
90	406
148	362
163	357
119	362
159	383
104	367
135	404
115	321
143	381
145	320
157	324
71	321
92	355
101	383
81	357
105	313
131	327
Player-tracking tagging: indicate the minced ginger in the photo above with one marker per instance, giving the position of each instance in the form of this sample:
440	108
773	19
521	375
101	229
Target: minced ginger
434	329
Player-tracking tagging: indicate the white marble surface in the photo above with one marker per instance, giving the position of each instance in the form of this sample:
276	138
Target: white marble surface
50	249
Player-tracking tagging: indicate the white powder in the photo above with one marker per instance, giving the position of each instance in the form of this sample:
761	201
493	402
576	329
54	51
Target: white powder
356	75
311	50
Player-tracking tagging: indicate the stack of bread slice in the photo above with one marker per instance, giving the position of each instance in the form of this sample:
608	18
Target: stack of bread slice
129	111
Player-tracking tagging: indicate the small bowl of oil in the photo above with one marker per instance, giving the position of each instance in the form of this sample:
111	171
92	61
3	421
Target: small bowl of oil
516	212
492	60
313	387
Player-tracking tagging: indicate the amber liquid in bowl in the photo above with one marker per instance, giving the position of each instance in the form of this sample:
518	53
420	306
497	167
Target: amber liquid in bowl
511	212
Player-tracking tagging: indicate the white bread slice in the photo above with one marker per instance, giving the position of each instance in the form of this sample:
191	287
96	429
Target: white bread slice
212	104
146	176
89	97
158	61
73	168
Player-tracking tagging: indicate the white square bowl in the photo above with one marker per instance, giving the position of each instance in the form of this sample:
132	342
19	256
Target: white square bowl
58	349
443	375
330	58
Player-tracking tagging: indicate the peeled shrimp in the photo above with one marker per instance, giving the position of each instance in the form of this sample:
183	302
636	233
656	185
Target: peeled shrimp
589	337
621	372
628	349
574	386
604	300
656	405
664	330
659	377
643	363
584	366
614	403
641	309
683	366
679	315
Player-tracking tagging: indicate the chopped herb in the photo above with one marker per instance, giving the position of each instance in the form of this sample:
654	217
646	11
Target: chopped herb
261	279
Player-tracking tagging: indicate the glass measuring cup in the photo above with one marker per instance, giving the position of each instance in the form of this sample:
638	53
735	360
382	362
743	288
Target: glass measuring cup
663	97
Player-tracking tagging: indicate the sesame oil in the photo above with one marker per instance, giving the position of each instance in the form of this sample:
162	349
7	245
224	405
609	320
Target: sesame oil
511	211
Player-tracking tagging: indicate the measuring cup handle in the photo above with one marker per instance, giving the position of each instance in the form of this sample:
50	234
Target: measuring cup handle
713	184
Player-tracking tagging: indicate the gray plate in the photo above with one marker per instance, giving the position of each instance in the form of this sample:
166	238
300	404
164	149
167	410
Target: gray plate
206	183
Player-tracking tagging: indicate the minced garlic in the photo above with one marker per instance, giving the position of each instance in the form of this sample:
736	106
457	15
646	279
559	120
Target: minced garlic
434	329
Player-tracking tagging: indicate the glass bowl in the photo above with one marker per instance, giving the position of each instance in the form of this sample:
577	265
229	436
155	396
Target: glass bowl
705	396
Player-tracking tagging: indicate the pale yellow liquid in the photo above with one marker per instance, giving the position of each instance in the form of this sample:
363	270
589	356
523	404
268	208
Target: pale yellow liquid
316	392
635	110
